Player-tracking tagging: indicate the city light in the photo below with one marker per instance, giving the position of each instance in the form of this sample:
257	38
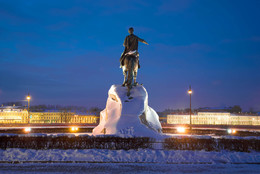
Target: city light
28	97
27	129
74	129
231	131
181	129
190	92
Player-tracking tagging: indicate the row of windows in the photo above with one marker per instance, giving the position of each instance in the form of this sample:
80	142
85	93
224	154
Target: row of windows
10	113
236	120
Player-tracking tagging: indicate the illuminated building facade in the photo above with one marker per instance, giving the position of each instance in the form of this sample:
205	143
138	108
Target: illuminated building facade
15	114
92	119
51	117
62	117
214	118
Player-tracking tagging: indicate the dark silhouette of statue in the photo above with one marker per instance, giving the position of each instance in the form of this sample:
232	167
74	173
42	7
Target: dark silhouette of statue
131	45
129	61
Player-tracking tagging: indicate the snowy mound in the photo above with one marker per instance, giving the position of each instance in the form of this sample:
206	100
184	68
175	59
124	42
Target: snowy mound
125	116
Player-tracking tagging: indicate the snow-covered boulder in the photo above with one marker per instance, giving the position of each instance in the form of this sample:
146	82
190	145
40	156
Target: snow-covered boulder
128	116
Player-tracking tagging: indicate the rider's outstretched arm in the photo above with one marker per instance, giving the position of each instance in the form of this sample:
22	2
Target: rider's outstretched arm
142	40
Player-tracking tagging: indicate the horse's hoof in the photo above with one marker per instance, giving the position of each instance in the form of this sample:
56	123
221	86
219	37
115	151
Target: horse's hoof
135	84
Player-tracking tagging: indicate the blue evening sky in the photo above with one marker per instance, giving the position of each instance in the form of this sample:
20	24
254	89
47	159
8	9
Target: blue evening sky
67	52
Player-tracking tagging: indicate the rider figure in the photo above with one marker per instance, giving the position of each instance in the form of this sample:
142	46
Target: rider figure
131	44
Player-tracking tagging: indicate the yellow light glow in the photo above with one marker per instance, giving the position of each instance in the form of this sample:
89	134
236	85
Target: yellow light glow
190	91
229	131
232	131
181	129
74	128
27	129
28	98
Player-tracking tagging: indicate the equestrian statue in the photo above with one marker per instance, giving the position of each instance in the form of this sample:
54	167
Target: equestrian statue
129	60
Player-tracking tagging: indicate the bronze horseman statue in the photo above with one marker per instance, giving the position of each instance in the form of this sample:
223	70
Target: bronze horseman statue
129	60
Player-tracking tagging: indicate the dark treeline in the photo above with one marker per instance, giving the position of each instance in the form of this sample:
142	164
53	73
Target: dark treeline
13	103
173	111
77	109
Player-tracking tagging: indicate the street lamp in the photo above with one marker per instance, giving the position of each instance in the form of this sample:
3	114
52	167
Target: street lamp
28	98
190	92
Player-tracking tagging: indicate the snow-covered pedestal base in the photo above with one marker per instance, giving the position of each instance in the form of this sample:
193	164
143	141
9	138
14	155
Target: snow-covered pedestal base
128	116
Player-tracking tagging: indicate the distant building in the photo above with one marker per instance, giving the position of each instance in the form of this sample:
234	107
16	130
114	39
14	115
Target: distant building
214	118
51	117
83	118
15	114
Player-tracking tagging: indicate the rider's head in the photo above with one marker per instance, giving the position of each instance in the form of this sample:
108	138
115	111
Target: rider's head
131	30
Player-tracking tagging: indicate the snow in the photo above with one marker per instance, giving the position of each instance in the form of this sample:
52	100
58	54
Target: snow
128	168
128	117
129	156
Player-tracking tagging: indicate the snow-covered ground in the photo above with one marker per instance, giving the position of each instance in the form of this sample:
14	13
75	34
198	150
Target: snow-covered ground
129	168
132	156
16	160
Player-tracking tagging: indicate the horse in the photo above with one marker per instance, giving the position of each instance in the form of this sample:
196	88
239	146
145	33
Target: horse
130	69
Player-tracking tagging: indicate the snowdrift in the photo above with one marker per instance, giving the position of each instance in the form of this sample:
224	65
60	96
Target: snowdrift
128	116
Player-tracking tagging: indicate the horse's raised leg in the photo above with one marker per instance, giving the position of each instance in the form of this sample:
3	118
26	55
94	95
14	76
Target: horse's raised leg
125	74
135	76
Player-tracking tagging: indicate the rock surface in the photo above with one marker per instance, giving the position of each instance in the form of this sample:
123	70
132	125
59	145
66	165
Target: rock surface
128	116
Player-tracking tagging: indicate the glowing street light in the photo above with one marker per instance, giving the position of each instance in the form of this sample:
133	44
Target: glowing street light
73	129
190	92
28	98
232	131
27	129
180	129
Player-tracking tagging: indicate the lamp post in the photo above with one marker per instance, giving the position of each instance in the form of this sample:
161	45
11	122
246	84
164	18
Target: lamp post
28	98
190	92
